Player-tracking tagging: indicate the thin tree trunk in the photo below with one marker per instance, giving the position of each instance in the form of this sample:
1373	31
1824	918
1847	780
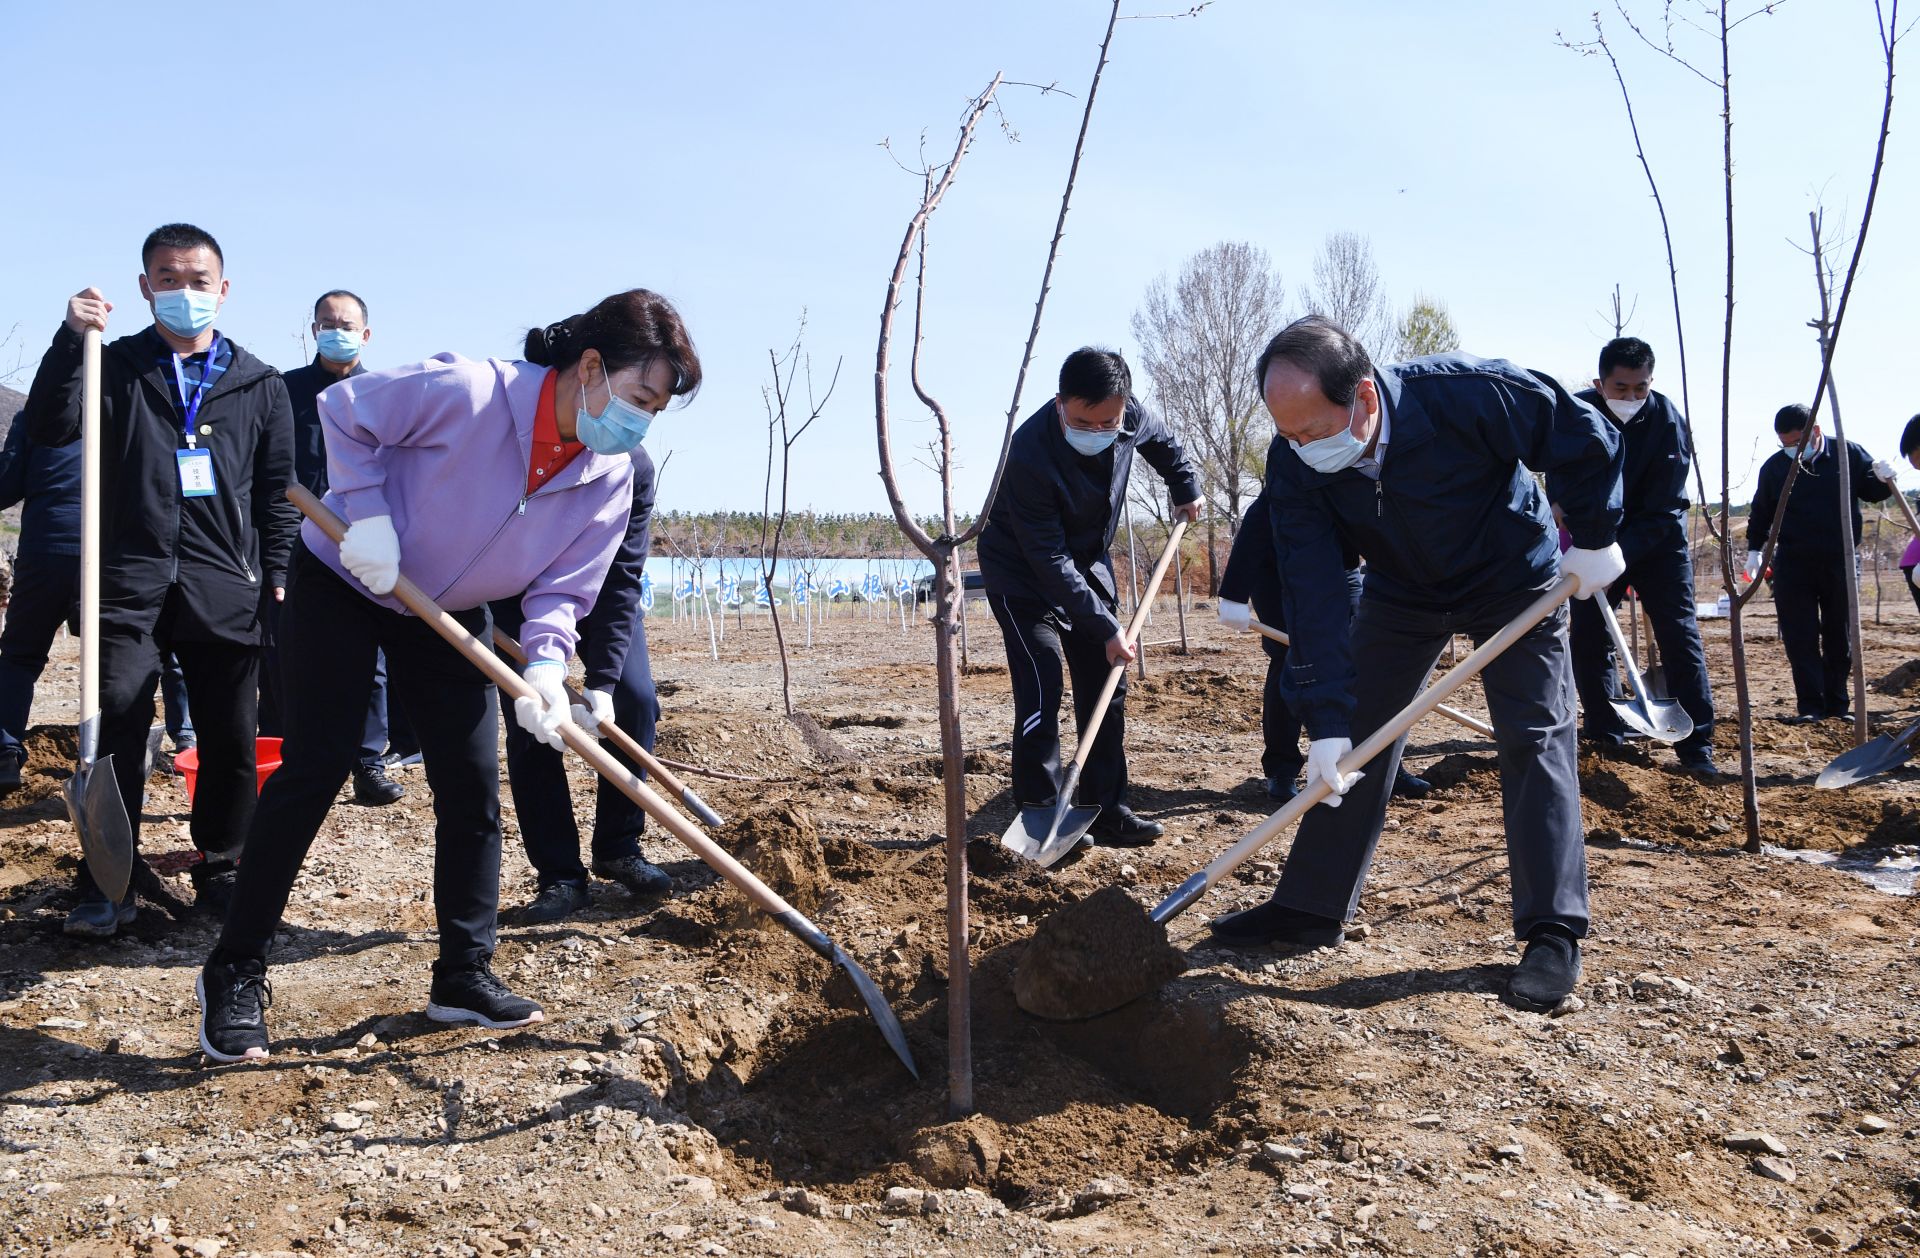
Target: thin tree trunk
1180	598
947	588
1842	459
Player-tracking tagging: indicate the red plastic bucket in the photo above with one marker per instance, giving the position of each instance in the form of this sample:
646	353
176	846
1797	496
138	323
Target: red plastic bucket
266	758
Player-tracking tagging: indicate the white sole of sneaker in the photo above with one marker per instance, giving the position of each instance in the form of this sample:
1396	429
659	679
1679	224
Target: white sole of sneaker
447	1013
214	1054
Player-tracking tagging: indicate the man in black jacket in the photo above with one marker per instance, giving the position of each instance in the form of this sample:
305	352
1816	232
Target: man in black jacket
198	451
1427	469
1043	561
1653	539
46	578
619	682
340	332
1814	557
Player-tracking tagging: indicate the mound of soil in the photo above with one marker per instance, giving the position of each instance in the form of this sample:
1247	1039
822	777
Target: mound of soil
781	845
1902	681
1094	957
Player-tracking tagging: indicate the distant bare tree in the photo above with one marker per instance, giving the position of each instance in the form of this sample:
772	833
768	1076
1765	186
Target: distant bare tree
783	430
1346	289
1425	329
1199	337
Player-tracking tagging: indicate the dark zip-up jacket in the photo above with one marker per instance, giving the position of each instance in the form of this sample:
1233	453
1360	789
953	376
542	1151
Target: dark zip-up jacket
1456	520
1653	477
47	480
607	632
1252	575
1811	530
1053	521
304	387
220	550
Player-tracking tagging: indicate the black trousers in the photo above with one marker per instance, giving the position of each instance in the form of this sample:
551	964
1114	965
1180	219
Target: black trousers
45	588
373	741
1810	600
537	773
1280	728
330	632
1664	582
1037	642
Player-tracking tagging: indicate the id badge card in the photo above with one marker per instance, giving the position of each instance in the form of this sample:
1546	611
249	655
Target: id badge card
196	473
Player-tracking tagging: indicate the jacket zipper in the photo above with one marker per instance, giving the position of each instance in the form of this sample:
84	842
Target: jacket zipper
520	509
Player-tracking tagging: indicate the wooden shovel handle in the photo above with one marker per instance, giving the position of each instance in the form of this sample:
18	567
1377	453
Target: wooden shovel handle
1906	509
1130	635
582	743
1473	723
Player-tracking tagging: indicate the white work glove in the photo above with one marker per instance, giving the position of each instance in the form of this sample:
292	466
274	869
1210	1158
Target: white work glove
1595	570
1236	616
542	717
371	552
597	708
1884	470
1753	565
1323	765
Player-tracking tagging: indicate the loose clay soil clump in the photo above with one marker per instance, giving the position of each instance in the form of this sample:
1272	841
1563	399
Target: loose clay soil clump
1094	957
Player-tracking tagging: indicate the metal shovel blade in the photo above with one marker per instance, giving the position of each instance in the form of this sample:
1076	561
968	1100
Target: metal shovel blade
100	818
1869	759
1663	720
883	1015
1044	833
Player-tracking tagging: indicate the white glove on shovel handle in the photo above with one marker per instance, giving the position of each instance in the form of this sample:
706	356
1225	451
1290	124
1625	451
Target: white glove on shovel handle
597	708
371	552
1595	570
1884	470
1236	616
1323	764
544	716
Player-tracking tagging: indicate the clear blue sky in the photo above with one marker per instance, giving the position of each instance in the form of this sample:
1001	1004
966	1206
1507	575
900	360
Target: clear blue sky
474	169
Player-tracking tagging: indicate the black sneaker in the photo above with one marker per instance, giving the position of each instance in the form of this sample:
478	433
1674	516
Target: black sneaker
97	917
1799	718
1409	785
556	900
476	995
1120	826
233	1009
1548	971
213	893
11	762
638	877
372	786
1278	925
1698	762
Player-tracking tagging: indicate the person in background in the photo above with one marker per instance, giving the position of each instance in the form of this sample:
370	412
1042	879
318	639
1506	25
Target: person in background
1814	557
1653	538
198	451
1910	558
340	334
619	682
481	481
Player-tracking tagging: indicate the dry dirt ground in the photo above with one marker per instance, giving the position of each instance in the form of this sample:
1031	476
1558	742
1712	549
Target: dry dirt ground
1735	1079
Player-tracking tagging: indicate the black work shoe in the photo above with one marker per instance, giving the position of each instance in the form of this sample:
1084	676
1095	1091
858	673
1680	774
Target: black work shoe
476	995
97	917
372	786
1272	923
233	1009
556	900
1280	791
1121	826
1548	971
1698	763
1409	786
1799	718
11	762
213	893
638	877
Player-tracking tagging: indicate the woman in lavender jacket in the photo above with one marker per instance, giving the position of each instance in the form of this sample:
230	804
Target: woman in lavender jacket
483	480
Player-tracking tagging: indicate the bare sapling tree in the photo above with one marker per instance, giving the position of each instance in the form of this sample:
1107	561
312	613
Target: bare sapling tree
1346	288
784	429
1196	337
1721	23
943	549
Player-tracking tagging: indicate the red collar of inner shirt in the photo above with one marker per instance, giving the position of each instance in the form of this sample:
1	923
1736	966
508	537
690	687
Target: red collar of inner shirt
550	453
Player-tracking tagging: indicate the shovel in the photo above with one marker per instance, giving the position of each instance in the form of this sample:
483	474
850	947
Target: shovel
1870	759
93	793
1068	983
1660	719
588	748
1475	724
1046	832
627	743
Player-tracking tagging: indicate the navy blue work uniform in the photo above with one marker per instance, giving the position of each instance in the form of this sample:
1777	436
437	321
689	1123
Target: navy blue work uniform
1653	540
1812	563
613	650
1049	581
1252	577
1458	539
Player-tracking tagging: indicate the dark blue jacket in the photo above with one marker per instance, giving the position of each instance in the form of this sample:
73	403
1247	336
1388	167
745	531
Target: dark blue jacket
1252	575
304	387
1811	530
606	634
1653	478
1456	520
1049	529
47	480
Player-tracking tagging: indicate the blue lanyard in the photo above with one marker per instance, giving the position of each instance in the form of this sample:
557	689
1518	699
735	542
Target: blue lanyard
208	375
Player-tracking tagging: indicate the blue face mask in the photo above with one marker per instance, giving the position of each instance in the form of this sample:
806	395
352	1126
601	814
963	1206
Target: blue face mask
1085	442
615	430
185	311
338	345
1335	453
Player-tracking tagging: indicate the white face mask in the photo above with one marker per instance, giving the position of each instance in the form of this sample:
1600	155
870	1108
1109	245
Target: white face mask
1332	453
1625	409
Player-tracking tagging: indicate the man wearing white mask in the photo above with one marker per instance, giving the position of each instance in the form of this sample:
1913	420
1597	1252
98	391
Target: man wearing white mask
1653	541
340	333
1427	469
198	450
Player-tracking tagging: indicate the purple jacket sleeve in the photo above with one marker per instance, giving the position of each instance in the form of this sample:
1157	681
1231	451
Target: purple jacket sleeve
362	413
560	596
